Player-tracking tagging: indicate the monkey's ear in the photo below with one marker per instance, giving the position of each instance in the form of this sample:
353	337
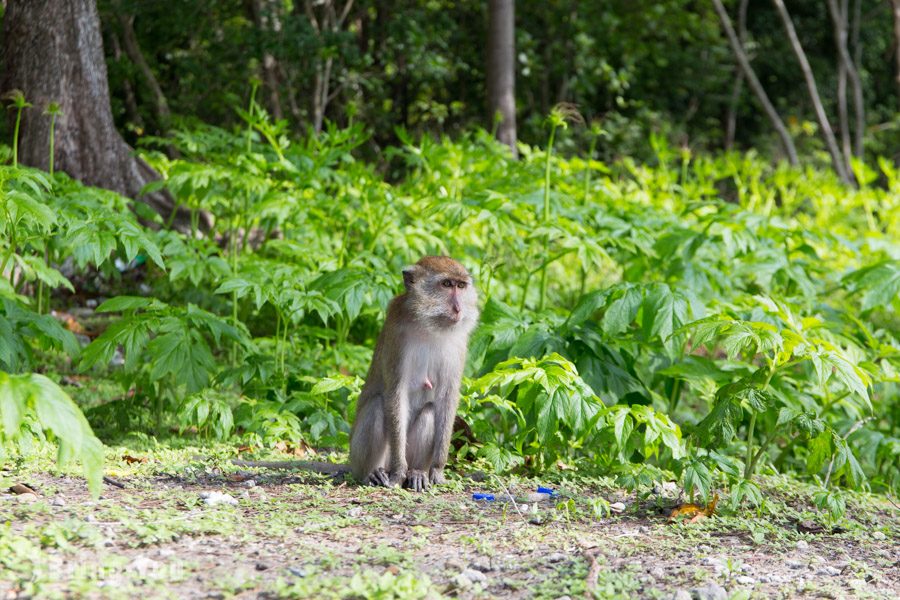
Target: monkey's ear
409	276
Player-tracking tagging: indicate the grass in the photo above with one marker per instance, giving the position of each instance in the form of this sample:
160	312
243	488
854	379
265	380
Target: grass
295	535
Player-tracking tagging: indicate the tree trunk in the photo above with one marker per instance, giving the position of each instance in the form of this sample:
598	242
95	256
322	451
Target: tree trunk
840	16
266	20
755	85
837	159
896	7
840	37
738	87
53	52
133	50
501	70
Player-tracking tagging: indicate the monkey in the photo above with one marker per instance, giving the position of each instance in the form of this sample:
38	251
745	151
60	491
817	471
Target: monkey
407	406
406	409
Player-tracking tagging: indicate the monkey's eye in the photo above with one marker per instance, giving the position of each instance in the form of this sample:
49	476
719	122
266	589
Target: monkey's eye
447	283
461	285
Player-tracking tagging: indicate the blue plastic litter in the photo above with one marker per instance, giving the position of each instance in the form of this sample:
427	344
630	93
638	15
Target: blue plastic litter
485	497
545	490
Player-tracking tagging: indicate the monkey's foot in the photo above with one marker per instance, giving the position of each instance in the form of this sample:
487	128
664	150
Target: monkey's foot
397	477
416	481
379	477
436	476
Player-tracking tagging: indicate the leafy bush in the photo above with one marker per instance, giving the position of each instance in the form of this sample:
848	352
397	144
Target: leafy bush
702	317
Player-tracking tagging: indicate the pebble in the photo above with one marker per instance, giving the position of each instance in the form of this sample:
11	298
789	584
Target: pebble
795	564
484	566
617	507
878	535
658	573
297	571
709	591
217	498
27	498
802	545
681	595
261	566
745	580
556	557
533	497
454	563
248	483
829	570
143	565
474	576
356	511
58	501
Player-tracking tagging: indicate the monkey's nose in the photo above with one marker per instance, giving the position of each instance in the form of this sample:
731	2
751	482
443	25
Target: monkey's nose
454	304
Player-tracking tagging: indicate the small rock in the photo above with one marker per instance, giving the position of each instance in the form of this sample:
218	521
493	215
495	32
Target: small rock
829	570
533	497
795	564
217	498
143	565
681	595
454	564
802	545
248	484
462	582
709	591
523	507
355	512
474	576
564	598
58	501
878	535
745	580
658	573
297	571
556	557
27	498
484	566
261	566
617	507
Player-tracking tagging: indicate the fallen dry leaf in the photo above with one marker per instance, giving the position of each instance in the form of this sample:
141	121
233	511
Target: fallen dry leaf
133	459
21	488
693	512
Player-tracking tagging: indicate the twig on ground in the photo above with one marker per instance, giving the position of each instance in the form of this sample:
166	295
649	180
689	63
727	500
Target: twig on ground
114	482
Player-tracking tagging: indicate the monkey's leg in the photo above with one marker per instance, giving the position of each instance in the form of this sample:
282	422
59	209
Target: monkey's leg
419	441
443	430
368	445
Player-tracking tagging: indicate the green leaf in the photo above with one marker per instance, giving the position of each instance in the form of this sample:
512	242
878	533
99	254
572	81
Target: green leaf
622	311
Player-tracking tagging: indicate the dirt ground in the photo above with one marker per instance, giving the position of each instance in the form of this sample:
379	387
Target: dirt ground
285	536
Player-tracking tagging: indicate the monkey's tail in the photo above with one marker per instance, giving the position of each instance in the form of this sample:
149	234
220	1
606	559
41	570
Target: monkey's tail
326	468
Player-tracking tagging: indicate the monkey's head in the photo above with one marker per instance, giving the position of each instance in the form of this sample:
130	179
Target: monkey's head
441	294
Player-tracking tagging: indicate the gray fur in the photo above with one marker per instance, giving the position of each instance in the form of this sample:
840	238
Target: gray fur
405	412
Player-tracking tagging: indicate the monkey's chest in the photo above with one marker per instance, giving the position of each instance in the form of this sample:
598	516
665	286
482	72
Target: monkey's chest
426	374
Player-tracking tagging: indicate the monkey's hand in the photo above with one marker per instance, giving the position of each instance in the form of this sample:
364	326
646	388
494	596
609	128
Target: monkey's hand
416	481
436	476
379	477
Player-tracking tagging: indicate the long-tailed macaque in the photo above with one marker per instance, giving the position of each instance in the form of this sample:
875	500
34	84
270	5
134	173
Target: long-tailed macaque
405	412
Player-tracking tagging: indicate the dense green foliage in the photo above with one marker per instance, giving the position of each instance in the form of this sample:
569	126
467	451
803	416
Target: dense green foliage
635	64
695	317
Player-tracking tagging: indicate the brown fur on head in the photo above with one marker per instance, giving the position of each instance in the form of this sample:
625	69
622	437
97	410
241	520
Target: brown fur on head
440	293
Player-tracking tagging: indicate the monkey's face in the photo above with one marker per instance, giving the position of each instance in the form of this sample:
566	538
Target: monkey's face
442	293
